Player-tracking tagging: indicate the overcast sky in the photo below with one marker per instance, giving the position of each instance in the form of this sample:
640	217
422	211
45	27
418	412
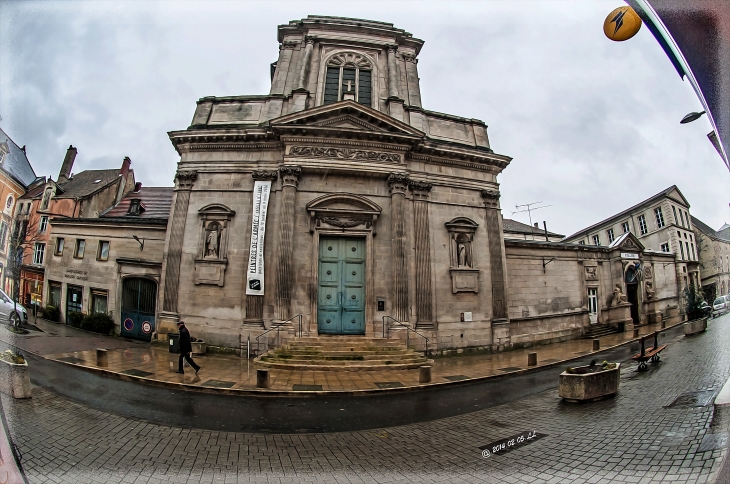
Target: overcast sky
592	125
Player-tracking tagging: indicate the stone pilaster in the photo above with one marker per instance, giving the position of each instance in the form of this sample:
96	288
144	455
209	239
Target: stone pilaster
392	72
306	62
290	176
420	191
501	337
398	183
184	181
255	304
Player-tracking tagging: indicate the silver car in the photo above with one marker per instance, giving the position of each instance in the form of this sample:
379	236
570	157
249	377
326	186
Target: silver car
719	306
14	313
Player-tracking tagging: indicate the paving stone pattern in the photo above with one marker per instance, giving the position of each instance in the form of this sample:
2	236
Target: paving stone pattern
634	438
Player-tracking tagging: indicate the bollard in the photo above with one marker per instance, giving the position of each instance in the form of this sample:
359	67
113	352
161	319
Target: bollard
636	332
262	379
596	344
664	324
424	374
531	359
101	358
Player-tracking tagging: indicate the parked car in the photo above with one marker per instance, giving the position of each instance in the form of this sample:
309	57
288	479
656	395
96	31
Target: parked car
706	309
14	313
719	306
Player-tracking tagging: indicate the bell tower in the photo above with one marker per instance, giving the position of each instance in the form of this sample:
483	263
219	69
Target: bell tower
323	60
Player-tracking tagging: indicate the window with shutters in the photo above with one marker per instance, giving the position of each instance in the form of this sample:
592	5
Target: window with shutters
348	77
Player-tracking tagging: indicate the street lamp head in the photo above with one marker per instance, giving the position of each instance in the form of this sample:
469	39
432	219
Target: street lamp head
691	117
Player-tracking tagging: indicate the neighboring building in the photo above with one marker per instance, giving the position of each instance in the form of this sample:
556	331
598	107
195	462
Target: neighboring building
16	175
724	231
662	223
118	271
378	207
85	194
714	254
517	230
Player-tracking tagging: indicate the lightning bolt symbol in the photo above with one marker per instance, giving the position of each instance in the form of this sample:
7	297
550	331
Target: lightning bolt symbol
619	19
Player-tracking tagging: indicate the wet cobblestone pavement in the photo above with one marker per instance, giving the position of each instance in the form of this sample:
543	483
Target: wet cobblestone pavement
635	437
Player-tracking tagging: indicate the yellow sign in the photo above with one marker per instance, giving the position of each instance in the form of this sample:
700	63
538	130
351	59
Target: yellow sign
621	24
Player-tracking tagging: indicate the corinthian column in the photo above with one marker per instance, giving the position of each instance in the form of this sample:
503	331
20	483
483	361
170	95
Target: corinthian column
289	181
306	61
422	236
392	72
496	262
184	181
398	183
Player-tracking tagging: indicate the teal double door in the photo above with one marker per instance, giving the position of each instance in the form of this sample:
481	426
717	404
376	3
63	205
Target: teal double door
341	295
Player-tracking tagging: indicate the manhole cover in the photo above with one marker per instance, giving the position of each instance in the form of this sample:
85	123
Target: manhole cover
713	442
135	372
306	388
510	368
550	360
456	377
218	384
71	359
389	384
698	398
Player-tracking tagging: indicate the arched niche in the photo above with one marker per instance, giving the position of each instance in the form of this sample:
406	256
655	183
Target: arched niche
464	275
212	254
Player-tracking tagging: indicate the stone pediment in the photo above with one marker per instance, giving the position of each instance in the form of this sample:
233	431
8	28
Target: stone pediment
345	115
627	241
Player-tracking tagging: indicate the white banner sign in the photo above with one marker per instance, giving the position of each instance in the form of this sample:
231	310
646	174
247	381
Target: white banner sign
255	273
626	255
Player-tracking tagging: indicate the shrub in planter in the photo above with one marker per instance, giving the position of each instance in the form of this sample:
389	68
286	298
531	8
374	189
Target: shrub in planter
98	323
51	313
75	318
693	300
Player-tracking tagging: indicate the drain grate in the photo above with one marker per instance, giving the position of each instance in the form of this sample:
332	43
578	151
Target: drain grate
510	368
389	384
713	442
136	372
698	398
218	384
456	377
71	359
550	360
307	388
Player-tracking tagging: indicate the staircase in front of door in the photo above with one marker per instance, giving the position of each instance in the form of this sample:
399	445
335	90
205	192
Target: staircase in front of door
342	353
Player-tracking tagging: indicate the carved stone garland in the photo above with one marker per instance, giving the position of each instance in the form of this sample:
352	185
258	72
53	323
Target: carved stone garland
343	153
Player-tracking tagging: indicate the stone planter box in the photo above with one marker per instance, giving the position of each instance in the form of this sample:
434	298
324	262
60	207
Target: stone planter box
199	347
696	326
15	379
589	386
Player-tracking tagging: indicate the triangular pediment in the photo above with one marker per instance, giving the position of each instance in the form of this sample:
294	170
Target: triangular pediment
628	242
346	115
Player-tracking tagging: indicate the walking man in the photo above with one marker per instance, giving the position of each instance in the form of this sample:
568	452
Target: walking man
186	348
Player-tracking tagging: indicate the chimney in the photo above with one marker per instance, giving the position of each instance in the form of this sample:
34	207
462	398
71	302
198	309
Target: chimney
537	226
124	170
68	163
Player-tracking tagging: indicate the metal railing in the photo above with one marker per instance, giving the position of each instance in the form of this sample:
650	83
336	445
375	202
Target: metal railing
408	332
278	333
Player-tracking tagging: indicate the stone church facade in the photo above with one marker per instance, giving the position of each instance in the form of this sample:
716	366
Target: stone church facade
376	206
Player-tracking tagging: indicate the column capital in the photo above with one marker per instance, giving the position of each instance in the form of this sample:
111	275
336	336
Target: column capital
186	178
419	189
288	44
409	57
310	39
392	48
398	182
290	175
491	198
262	175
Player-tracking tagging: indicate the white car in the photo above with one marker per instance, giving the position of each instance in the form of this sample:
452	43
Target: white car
14	313
719	306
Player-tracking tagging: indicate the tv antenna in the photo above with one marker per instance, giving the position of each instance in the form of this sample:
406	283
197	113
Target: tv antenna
529	209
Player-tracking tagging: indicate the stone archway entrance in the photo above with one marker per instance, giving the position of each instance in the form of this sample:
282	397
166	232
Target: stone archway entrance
632	296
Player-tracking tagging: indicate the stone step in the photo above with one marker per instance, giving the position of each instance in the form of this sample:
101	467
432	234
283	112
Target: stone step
290	357
362	366
340	362
343	349
337	352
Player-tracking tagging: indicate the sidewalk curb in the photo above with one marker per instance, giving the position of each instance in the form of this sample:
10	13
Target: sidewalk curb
339	393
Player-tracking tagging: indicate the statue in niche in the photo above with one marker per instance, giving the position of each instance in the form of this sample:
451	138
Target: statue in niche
463	251
618	295
212	240
650	292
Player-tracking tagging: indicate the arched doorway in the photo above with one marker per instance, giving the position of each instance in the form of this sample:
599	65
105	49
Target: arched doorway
632	288
138	308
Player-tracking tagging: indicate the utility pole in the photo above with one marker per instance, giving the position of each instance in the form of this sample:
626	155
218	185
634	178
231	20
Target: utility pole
529	209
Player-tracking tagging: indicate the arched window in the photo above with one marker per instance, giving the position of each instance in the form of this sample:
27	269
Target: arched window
349	77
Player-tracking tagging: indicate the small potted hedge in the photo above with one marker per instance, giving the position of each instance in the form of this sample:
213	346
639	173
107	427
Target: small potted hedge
590	383
14	376
696	319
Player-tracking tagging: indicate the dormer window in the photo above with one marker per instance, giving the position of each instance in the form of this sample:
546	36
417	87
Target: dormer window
349	77
136	207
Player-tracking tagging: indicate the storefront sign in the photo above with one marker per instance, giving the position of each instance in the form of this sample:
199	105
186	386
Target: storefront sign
77	274
626	255
255	273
